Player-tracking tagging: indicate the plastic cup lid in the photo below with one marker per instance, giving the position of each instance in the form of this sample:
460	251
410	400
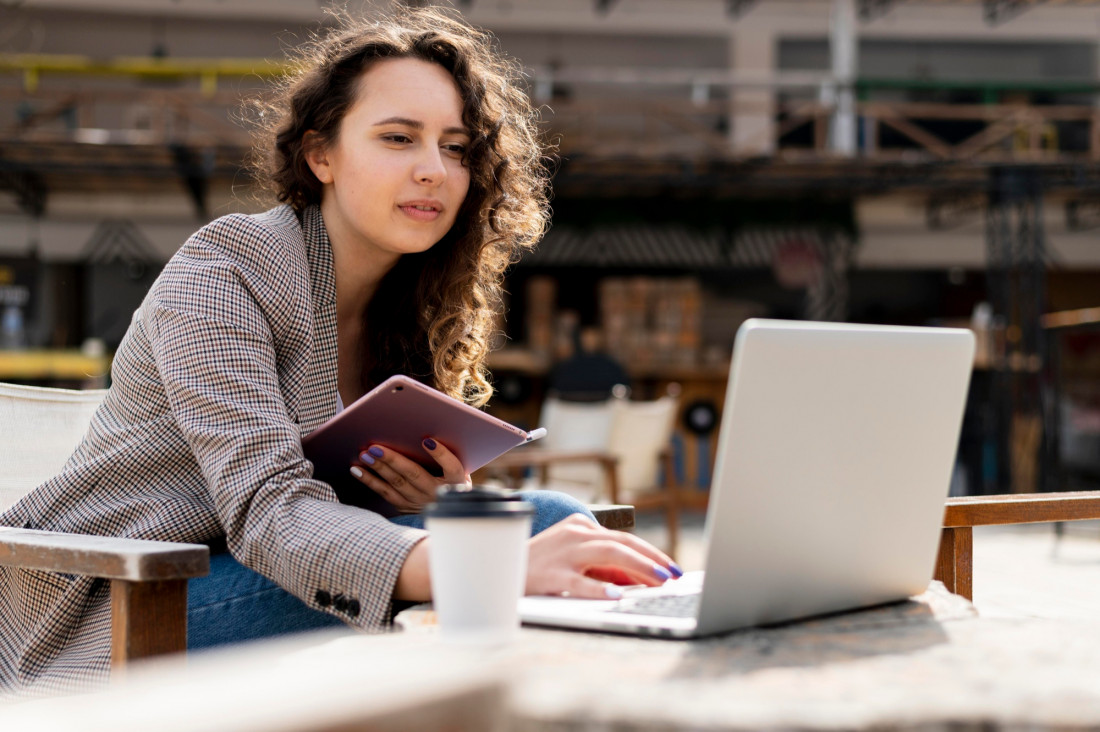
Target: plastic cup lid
454	501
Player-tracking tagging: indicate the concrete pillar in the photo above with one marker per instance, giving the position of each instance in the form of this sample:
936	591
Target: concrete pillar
752	108
844	49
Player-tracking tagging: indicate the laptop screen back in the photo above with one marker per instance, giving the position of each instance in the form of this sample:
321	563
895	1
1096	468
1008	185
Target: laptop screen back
834	459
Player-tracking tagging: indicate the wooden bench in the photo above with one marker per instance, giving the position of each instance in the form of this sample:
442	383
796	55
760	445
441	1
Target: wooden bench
148	582
149	578
39	429
955	566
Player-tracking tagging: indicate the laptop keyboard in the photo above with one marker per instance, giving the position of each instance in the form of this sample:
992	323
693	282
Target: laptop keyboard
671	606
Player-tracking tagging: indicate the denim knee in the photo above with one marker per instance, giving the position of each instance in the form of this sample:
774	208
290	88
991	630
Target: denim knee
551	507
234	604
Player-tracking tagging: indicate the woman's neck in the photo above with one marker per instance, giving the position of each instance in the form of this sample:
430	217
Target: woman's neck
357	279
359	269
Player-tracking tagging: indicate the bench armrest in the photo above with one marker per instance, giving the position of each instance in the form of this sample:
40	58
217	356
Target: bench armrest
1021	508
611	516
133	560
148	582
954	566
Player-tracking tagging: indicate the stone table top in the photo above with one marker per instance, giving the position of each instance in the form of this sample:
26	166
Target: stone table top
929	663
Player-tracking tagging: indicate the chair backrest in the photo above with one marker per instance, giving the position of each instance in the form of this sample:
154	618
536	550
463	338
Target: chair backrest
640	431
39	429
634	431
576	426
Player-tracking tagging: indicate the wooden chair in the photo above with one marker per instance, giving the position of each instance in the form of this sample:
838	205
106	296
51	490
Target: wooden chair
39	429
623	444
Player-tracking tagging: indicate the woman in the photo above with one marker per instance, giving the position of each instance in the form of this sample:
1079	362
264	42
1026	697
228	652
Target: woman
406	161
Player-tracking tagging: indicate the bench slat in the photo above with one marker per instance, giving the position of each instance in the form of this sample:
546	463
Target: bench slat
612	516
102	556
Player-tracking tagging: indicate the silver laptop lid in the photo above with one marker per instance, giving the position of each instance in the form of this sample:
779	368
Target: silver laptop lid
834	459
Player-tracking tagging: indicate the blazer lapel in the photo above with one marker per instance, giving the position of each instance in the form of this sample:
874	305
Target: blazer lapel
320	389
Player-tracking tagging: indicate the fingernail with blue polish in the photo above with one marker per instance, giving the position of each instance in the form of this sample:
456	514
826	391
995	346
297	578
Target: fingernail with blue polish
366	458
661	572
429	443
357	472
675	569
613	592
376	451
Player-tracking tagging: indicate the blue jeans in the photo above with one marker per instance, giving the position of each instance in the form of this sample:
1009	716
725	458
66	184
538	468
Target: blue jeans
550	508
233	604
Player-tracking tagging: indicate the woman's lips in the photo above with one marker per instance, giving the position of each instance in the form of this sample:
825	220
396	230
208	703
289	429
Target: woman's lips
420	214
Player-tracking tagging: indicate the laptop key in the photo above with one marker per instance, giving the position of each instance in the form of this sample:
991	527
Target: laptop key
672	606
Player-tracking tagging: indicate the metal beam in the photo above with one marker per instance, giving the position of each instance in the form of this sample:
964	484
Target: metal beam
603	7
1016	276
844	50
949	208
1082	214
29	189
871	9
1001	11
738	8
195	171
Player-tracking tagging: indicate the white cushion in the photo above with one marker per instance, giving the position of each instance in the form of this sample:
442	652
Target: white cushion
39	429
576	426
639	432
635	432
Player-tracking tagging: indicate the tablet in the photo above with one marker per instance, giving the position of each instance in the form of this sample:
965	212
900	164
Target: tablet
398	414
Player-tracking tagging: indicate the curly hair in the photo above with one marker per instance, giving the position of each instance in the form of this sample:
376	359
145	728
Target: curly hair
433	314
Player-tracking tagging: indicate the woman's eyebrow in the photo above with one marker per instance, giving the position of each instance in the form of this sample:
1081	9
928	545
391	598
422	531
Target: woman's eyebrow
418	125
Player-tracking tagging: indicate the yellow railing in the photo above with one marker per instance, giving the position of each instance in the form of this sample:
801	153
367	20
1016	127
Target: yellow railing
207	70
52	364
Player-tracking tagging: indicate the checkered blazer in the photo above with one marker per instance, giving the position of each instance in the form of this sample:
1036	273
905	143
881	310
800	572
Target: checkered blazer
230	359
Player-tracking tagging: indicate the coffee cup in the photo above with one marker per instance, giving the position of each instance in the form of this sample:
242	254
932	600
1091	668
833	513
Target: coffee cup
478	561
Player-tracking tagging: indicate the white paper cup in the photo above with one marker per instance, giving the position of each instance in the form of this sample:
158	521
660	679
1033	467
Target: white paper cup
478	562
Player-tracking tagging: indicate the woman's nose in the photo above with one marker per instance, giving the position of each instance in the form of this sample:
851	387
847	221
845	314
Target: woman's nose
430	169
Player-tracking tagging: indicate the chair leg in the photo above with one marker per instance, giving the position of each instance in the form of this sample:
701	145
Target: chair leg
955	564
610	467
672	502
147	619
672	516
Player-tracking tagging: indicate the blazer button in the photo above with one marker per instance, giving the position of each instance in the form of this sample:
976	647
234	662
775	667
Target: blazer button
340	603
353	608
323	598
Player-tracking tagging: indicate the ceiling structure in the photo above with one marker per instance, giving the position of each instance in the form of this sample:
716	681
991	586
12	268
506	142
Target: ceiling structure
185	137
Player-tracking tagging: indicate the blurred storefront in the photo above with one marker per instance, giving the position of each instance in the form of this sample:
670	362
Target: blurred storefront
825	159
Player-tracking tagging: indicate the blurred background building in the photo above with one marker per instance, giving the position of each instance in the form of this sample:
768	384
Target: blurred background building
890	161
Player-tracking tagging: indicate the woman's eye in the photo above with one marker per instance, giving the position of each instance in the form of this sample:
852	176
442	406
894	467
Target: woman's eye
397	137
455	148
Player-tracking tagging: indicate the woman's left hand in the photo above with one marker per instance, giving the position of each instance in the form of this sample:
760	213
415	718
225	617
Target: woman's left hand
407	486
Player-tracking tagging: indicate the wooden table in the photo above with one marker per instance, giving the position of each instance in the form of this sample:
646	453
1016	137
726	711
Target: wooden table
928	663
326	681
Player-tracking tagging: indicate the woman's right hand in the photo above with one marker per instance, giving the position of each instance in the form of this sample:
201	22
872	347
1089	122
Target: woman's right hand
579	558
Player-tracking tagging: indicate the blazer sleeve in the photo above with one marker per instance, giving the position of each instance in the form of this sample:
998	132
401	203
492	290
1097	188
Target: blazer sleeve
207	321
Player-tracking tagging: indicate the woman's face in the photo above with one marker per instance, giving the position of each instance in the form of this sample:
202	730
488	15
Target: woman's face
394	179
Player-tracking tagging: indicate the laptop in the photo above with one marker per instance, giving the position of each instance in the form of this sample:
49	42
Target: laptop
834	459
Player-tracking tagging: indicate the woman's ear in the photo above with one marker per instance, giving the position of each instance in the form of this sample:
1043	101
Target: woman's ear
317	157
